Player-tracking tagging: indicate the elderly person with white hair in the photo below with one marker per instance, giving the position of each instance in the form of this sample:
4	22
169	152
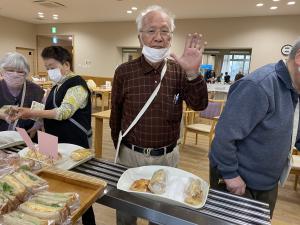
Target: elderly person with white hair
153	140
17	90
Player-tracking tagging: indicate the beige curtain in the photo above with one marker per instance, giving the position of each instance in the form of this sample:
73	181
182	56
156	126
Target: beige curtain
218	64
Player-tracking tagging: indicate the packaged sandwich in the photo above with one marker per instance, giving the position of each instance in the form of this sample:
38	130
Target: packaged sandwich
157	184
71	199
44	211
20	218
5	204
193	192
31	181
7	192
10	185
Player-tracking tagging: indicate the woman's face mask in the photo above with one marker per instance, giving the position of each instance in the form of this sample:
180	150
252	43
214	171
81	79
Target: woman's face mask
55	75
14	79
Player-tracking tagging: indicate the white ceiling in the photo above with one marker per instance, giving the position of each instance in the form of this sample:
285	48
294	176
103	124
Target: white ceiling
115	10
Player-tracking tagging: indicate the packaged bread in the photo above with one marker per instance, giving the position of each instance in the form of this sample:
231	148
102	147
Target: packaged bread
31	181
140	185
5	204
80	154
10	185
20	218
193	192
157	184
71	199
45	211
39	156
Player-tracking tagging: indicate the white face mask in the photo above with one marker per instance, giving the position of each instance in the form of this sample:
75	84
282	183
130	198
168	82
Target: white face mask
155	55
55	75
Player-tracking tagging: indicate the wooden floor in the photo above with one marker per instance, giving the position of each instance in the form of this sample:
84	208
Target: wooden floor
193	158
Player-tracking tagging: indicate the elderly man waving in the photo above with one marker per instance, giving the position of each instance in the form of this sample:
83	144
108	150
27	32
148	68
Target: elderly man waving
148	93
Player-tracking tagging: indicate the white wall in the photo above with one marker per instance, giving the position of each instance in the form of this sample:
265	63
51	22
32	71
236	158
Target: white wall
16	33
99	42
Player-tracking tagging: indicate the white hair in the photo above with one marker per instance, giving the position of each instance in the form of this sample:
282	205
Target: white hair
154	8
16	61
295	49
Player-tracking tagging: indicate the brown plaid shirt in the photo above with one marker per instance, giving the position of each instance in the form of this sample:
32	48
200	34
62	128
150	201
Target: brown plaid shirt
133	84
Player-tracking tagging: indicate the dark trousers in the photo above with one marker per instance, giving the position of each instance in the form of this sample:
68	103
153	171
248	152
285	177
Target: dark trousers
126	219
88	218
269	196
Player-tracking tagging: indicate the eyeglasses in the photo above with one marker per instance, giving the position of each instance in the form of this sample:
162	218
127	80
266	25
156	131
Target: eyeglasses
152	33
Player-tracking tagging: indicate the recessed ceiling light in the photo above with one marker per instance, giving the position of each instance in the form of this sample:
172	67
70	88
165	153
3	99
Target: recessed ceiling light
129	11
40	13
291	3
276	0
55	15
259	4
273	7
134	8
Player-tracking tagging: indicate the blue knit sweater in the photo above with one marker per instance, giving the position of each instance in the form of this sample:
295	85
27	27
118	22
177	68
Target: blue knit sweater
253	135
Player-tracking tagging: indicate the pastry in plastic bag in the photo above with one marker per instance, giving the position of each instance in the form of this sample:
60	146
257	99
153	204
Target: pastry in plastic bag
80	154
157	184
193	192
20	218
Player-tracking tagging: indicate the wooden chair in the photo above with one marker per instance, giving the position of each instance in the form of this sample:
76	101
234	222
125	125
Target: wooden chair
92	85
296	167
211	114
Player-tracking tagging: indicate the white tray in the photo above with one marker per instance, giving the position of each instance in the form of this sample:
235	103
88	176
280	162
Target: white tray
9	139
66	163
177	181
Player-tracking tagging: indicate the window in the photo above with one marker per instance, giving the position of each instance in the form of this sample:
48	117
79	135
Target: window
234	63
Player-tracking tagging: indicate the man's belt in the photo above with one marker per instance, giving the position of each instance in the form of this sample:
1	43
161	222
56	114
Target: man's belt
150	151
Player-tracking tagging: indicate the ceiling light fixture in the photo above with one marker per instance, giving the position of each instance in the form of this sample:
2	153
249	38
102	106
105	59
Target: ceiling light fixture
40	13
273	7
291	3
134	8
129	11
259	4
276	0
70	38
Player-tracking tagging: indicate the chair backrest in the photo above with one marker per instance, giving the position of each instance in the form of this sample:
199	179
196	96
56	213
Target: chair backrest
214	108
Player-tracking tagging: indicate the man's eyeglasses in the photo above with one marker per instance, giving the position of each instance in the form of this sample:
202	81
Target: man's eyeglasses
152	33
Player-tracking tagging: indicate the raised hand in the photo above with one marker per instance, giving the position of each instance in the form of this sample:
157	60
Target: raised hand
191	58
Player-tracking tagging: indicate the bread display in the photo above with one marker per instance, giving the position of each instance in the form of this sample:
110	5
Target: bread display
20	218
157	184
140	185
80	154
194	193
